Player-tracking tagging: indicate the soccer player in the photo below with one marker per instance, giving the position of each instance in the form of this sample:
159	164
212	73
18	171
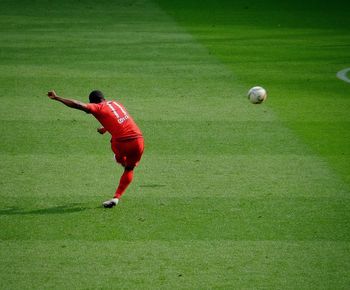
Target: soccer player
127	140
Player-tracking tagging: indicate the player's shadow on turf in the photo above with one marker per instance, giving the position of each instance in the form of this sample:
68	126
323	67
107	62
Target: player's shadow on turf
62	209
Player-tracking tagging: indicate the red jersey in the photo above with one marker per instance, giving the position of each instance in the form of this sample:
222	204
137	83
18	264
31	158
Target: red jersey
116	120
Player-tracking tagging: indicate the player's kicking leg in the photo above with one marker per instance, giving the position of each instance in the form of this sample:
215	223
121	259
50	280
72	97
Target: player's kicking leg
124	182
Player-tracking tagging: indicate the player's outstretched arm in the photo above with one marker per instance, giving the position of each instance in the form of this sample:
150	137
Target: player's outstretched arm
68	102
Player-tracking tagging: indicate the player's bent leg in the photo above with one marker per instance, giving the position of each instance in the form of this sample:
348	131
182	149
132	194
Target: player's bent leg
128	154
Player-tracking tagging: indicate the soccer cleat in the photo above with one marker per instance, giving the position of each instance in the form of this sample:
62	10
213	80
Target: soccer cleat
110	203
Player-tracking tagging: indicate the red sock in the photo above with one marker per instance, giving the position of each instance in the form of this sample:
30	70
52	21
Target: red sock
124	182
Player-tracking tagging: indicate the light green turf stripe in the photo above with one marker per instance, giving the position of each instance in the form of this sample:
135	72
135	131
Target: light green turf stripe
234	176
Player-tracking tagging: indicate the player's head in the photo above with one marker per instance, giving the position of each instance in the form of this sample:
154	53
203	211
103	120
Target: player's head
96	97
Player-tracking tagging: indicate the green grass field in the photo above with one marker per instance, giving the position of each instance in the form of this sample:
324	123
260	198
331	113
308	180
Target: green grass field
229	195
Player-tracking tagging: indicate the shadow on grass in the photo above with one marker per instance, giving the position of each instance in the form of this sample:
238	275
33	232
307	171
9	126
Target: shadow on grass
152	185
62	209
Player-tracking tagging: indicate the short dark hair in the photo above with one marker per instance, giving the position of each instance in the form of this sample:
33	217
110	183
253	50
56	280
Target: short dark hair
96	97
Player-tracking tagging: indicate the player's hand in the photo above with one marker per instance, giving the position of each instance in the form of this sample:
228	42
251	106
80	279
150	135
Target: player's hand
101	130
52	95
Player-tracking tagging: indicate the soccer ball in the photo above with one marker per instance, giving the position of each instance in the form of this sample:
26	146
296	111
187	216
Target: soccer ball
257	95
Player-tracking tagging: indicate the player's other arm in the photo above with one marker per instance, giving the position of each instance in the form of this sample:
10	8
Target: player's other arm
101	130
68	102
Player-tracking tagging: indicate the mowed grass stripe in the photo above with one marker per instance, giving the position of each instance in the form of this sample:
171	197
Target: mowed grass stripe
257	178
200	137
140	219
181	265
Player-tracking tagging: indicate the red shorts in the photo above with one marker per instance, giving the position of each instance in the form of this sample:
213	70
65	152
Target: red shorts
128	153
